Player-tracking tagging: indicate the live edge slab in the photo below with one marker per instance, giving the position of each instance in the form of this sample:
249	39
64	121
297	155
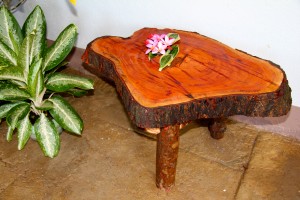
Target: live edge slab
207	79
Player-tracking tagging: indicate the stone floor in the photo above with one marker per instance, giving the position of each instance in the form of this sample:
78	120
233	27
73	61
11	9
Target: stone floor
111	161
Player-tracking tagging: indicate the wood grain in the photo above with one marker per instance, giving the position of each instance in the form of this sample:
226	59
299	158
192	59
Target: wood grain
207	79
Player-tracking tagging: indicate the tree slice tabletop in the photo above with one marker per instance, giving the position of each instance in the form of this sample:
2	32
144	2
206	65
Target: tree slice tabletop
207	79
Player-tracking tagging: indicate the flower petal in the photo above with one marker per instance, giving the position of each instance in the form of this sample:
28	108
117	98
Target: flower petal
162	51
155	50
149	45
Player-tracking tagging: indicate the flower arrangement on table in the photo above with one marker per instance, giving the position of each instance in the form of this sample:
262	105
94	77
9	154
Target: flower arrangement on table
163	45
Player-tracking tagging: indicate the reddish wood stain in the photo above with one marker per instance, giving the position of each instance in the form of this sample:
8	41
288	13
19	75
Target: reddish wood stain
203	68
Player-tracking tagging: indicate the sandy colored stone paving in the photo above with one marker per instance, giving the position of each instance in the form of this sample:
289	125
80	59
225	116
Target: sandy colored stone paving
111	161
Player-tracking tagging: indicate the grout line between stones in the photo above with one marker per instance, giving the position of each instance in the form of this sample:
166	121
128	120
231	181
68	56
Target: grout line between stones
246	167
14	180
211	160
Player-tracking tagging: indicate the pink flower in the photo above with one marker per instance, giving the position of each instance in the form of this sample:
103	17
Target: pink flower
160	48
158	43
151	45
162	44
167	41
148	51
155	37
162	36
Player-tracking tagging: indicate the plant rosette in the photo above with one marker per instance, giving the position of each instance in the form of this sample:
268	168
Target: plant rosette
30	83
164	45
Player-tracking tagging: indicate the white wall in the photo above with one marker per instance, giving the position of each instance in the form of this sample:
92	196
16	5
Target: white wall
269	29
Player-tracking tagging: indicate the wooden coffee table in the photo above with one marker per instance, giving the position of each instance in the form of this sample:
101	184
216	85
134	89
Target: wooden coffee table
207	80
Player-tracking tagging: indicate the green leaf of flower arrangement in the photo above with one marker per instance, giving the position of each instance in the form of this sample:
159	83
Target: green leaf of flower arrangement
25	56
17	113
151	55
174	36
5	108
24	131
7	56
36	23
10	92
10	31
65	115
47	136
12	73
59	82
165	61
35	79
174	51
61	47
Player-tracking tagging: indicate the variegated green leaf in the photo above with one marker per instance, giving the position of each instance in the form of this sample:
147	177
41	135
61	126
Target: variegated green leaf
12	73
53	70
65	115
11	92
20	84
46	105
17	113
24	131
77	92
5	108
25	56
3	83
47	136
61	47
57	126
7	56
9	133
36	22
3	66
10	31
35	79
59	82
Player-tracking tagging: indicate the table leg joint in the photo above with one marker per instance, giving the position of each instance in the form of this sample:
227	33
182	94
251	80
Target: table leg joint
217	128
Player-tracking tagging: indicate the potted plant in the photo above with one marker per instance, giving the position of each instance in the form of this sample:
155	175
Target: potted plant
30	83
12	5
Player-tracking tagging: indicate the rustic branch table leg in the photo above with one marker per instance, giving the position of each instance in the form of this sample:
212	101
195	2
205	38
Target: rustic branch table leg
166	156
217	127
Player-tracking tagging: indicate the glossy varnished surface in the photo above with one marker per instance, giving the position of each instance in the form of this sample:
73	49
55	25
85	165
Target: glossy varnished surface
203	68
